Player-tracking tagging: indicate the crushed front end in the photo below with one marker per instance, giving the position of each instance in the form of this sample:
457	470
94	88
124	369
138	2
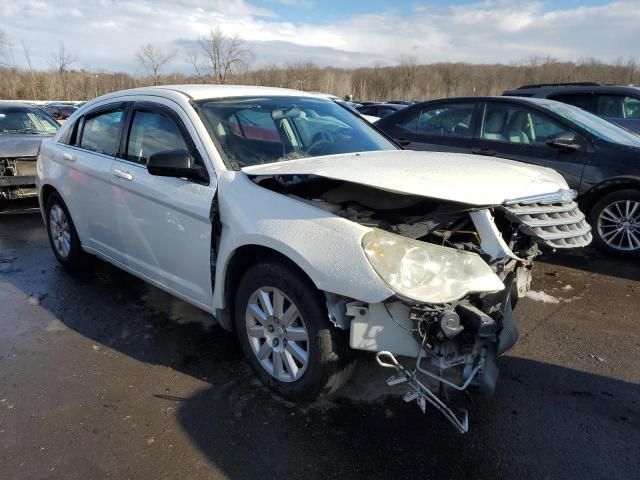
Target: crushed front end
457	271
17	178
455	340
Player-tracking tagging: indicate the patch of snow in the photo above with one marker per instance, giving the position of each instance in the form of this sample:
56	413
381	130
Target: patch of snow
539	296
567	287
56	326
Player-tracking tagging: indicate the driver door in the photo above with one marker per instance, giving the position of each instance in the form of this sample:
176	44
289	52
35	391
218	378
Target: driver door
517	132
163	221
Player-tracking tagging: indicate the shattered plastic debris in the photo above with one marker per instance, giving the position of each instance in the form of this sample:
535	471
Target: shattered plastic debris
600	359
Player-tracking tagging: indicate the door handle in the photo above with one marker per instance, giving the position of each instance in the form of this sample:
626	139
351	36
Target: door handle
123	175
403	141
484	151
68	157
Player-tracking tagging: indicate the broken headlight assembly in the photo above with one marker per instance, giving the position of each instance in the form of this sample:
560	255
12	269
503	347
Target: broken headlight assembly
425	272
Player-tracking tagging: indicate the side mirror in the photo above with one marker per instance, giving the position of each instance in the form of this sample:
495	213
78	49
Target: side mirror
175	163
564	141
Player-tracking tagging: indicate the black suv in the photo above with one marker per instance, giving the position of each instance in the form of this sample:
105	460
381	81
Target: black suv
600	160
615	103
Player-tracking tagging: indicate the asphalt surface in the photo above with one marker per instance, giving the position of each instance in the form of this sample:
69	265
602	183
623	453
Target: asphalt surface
103	376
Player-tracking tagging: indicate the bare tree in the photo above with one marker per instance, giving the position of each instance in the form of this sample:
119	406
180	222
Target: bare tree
62	60
408	67
26	50
4	49
152	58
451	74
217	57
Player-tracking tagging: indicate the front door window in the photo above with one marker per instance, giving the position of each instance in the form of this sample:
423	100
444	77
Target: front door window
518	124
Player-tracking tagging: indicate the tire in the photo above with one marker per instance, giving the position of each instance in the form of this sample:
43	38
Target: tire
329	359
63	237
615	220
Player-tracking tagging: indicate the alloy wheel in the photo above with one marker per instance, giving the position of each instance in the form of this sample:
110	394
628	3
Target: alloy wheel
277	334
619	225
60	231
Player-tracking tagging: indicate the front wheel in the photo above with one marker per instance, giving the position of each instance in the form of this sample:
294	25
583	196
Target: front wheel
616	223
284	330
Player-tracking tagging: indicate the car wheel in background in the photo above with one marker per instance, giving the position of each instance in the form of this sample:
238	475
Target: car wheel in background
62	235
615	219
283	327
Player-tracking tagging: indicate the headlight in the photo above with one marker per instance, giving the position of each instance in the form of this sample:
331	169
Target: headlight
426	272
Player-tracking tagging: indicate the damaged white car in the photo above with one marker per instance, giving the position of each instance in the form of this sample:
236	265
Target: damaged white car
308	232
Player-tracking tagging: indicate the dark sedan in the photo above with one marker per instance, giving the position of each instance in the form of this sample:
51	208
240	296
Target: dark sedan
379	110
22	128
600	160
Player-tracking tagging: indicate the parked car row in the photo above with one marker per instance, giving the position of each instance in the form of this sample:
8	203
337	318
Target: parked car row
597	159
379	110
61	111
308	232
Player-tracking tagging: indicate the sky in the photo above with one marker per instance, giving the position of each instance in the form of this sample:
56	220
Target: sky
104	34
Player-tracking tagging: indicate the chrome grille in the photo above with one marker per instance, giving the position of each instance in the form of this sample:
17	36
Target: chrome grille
558	225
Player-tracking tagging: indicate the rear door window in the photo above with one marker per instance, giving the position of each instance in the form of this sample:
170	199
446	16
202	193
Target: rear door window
454	120
618	106
101	132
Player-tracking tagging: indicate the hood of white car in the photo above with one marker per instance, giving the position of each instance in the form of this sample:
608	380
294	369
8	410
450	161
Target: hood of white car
470	179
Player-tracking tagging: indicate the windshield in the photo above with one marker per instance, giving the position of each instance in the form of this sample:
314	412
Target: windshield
260	130
19	120
595	125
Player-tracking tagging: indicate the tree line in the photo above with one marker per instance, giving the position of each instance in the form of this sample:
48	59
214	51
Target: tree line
215	58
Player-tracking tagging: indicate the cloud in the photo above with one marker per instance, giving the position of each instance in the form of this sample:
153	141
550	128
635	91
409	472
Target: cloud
105	33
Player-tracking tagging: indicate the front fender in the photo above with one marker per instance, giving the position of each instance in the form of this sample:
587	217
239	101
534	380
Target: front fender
326	247
596	192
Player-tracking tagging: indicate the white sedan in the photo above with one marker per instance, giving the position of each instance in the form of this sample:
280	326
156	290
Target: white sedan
306	231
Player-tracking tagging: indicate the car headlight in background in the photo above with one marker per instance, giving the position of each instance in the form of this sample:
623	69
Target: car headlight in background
426	272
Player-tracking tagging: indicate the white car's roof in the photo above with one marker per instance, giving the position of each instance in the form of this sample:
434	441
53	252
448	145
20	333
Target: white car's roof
201	92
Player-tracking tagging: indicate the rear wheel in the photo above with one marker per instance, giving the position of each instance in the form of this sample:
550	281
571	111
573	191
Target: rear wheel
62	235
616	223
283	327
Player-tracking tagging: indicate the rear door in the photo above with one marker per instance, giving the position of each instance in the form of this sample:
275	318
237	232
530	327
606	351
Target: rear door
163	221
89	155
518	132
442	127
